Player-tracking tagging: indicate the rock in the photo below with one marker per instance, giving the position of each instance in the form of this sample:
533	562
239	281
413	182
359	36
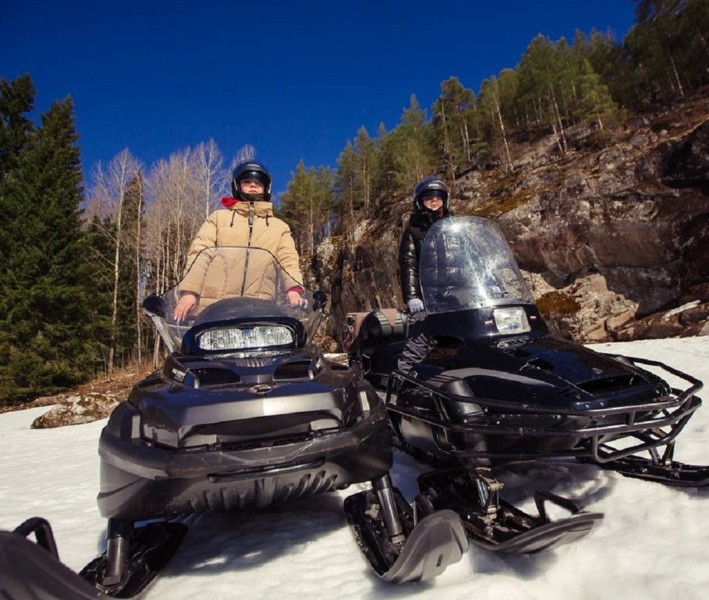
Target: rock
618	320
76	410
595	333
687	320
679	310
696	292
660	328
697	314
586	311
537	284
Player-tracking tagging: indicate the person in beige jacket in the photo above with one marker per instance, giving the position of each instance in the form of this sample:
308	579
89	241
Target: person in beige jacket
247	221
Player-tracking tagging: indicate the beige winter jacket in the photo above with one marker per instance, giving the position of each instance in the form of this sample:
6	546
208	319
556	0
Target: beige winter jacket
216	274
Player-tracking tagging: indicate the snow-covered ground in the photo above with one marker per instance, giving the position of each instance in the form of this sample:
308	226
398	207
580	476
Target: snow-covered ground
652	544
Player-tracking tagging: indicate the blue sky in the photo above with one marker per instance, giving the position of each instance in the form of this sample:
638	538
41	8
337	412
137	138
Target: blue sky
295	79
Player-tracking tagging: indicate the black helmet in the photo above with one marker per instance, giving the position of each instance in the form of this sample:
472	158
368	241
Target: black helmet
427	188
251	169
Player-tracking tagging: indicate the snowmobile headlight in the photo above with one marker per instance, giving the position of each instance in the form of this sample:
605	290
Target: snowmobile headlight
511	320
245	338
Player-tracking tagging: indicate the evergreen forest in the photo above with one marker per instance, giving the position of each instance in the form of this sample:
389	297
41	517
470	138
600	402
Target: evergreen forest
75	262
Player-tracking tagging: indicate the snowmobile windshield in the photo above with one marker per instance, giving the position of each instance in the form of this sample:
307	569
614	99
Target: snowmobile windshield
233	283
466	263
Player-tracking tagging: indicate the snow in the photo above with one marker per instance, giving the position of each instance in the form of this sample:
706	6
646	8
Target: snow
652	544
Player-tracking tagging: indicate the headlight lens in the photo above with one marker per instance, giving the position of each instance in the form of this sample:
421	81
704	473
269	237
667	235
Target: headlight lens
511	320
245	338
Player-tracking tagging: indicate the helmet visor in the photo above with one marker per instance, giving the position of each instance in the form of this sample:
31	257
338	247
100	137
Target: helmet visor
253	176
430	194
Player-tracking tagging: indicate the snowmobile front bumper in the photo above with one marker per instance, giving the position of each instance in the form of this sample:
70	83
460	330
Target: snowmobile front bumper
140	481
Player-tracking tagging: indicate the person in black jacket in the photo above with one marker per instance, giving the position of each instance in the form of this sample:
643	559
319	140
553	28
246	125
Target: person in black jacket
430	204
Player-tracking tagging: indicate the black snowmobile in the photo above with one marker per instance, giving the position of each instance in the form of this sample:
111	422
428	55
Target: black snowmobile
497	389
245	412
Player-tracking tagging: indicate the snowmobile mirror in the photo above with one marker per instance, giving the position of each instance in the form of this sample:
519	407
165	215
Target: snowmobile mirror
319	300
154	305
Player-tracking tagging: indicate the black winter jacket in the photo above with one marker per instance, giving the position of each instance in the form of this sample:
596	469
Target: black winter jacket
410	253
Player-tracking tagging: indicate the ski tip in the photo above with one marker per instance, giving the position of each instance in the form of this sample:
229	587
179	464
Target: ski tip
438	541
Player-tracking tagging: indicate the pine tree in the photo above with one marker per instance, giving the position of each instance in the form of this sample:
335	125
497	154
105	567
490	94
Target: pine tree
368	158
453	113
307	205
612	63
495	127
409	151
46	317
346	188
16	99
548	77
670	47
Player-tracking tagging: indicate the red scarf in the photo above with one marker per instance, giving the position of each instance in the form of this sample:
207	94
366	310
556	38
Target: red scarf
228	202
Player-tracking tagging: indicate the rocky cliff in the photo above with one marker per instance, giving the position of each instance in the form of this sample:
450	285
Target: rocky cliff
614	234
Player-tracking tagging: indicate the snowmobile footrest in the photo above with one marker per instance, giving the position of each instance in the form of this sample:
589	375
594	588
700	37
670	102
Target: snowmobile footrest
672	473
508	529
151	548
431	544
539	537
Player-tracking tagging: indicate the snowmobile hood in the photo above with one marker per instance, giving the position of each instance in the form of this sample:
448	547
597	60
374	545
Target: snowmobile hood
549	372
225	399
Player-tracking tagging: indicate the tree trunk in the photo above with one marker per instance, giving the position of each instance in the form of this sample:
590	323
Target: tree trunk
116	273
502	130
352	215
557	117
676	74
138	311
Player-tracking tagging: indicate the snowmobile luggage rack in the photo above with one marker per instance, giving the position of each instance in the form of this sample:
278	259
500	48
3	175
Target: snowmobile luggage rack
654	423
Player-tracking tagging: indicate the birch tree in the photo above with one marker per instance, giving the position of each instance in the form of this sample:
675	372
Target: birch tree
210	173
490	100
108	202
176	195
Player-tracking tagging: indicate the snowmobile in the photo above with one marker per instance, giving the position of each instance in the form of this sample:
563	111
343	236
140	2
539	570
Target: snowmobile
496	389
245	413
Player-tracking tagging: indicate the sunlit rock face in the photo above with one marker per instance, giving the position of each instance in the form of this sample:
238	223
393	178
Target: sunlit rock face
627	213
620	227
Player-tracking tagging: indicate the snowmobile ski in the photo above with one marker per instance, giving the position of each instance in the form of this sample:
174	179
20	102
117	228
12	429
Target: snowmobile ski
422	549
150	548
496	524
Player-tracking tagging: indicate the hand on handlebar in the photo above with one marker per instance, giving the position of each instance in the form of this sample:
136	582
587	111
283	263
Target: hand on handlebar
295	299
184	306
415	305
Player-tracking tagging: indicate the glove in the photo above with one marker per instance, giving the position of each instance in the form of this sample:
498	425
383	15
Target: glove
415	305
